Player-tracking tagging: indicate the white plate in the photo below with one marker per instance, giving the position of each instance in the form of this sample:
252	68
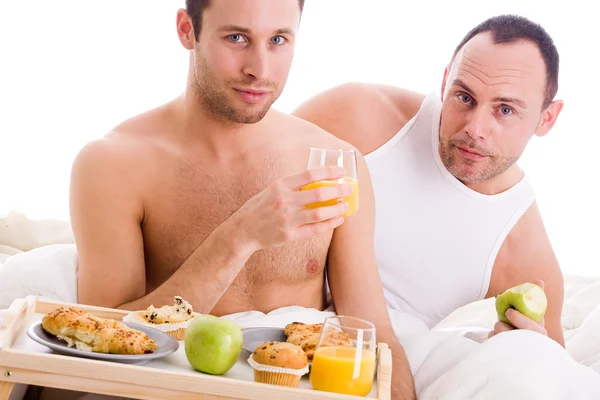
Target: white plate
254	337
166	345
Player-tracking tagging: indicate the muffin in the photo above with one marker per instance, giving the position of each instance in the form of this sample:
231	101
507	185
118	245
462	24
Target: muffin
172	320
279	363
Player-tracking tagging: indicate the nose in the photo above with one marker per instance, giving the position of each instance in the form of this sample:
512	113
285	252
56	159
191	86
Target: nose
479	124
256	63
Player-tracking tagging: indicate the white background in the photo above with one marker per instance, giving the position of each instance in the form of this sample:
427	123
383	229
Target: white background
70	70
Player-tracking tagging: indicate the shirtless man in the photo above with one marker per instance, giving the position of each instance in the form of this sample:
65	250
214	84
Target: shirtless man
200	197
456	217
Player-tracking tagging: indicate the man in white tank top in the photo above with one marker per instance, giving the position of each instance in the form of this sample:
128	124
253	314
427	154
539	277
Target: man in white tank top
456	217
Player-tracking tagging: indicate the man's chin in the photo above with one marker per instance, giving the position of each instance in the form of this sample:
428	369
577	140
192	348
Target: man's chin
250	118
468	180
467	175
245	113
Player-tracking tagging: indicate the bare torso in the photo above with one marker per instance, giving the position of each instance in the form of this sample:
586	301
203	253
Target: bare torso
186	192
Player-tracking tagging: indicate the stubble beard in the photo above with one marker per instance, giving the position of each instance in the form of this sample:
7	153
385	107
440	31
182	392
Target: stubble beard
216	102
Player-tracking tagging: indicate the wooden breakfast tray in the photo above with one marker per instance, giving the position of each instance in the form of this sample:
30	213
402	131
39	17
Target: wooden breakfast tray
24	361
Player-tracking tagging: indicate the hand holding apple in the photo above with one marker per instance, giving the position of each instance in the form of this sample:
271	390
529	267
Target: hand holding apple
521	307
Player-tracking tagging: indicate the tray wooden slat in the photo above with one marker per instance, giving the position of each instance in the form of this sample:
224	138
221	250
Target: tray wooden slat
14	318
46	307
5	389
384	372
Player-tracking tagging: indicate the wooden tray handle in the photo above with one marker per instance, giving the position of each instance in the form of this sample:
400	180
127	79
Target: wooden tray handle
384	372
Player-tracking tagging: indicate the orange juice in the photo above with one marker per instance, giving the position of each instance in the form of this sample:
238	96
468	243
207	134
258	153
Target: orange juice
333	371
352	200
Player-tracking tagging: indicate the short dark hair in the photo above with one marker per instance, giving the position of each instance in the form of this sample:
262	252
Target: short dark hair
510	28
195	9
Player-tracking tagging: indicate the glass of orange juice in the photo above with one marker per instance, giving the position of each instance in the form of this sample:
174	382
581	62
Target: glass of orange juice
320	158
344	360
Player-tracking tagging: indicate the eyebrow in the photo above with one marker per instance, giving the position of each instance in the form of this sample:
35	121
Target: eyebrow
461	84
512	100
285	31
237	28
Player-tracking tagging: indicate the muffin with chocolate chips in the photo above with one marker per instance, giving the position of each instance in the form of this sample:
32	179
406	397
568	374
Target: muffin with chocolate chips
279	363
171	319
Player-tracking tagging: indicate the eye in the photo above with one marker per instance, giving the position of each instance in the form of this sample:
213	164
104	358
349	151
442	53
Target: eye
465	98
505	110
278	40
236	38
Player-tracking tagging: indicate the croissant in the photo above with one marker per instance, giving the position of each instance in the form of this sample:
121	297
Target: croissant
90	333
301	327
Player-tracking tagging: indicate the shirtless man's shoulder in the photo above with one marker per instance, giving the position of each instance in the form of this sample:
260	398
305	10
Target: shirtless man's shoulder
124	155
299	131
138	133
118	142
364	114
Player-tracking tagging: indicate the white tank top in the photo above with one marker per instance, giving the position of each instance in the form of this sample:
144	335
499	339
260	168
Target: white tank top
435	239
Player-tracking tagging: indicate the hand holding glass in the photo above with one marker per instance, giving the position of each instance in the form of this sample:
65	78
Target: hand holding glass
346	159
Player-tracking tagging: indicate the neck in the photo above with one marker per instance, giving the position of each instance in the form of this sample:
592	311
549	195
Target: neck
216	135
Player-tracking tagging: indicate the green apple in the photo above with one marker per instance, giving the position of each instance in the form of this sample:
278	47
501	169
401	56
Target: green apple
527	298
213	345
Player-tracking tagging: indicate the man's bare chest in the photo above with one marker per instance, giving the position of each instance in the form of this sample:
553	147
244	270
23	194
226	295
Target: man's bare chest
194	201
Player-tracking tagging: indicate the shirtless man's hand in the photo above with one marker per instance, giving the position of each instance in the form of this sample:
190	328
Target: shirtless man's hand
278	214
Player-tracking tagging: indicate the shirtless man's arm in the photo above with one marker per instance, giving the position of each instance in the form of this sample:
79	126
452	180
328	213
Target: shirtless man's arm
107	216
356	285
368	115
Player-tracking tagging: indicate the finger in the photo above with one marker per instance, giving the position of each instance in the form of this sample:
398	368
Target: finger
323	193
316	229
540	283
296	182
311	216
522	322
500	327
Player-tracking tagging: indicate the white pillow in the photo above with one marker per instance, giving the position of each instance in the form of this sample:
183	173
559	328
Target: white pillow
49	272
6	251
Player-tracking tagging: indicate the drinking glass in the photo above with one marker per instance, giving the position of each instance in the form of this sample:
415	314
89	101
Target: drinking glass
344	359
320	158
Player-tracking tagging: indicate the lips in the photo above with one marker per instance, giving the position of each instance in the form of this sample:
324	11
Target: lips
469	153
252	91
252	96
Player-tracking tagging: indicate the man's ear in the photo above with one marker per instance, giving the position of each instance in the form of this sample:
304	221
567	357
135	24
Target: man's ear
185	29
549	116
